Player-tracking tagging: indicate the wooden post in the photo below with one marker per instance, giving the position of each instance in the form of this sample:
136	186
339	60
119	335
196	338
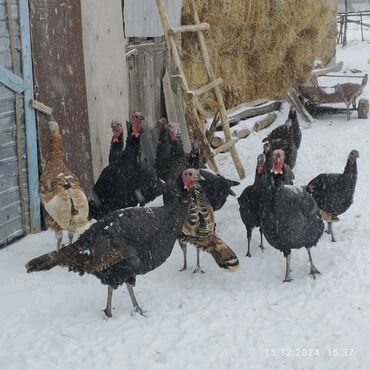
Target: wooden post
362	28
223	113
30	119
339	38
345	23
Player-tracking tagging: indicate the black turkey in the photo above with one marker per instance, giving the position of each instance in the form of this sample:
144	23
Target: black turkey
334	192
290	217
128	242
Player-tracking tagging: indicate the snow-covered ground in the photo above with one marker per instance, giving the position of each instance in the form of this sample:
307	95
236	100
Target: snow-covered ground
217	320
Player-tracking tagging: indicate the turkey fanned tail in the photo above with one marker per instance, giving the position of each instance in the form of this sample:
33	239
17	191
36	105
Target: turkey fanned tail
223	255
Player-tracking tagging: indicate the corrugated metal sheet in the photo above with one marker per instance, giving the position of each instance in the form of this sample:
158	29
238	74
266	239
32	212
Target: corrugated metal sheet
142	17
10	203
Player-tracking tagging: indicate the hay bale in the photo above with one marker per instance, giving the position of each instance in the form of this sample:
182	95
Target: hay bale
259	48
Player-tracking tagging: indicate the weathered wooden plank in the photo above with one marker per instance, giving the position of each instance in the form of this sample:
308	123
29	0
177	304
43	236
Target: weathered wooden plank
190	28
265	122
142	18
324	71
31	137
11	80
251	111
175	112
202	90
41	107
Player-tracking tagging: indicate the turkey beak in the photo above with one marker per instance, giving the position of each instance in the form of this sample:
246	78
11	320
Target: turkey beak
232	193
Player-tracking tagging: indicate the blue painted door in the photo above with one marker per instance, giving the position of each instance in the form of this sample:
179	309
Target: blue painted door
19	202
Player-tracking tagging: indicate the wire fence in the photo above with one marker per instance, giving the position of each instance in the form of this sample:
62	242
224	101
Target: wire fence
359	18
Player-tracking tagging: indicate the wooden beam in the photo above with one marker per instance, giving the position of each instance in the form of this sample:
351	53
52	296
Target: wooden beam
30	119
229	144
41	107
242	133
217	91
202	90
294	100
249	111
324	71
211	131
265	122
11	80
190	28
242	106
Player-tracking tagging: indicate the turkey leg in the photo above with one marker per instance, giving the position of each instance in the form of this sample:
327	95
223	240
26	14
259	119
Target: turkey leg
261	245
249	235
288	278
108	308
198	268
59	236
330	231
313	270
183	247
137	308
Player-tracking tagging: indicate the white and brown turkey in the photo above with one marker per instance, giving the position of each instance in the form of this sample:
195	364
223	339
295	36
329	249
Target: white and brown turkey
199	227
61	193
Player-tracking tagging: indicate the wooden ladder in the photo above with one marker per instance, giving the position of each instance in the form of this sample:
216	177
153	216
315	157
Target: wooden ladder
193	95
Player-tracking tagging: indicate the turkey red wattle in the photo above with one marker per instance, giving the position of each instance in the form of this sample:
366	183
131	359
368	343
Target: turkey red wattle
190	178
117	131
278	157
136	124
136	128
172	131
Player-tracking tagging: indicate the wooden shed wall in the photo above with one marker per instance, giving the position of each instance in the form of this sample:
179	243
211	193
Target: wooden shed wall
141	17
60	80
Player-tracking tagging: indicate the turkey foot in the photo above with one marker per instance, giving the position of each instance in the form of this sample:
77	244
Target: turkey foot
198	269
107	313
139	310
313	270
136	306
249	244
